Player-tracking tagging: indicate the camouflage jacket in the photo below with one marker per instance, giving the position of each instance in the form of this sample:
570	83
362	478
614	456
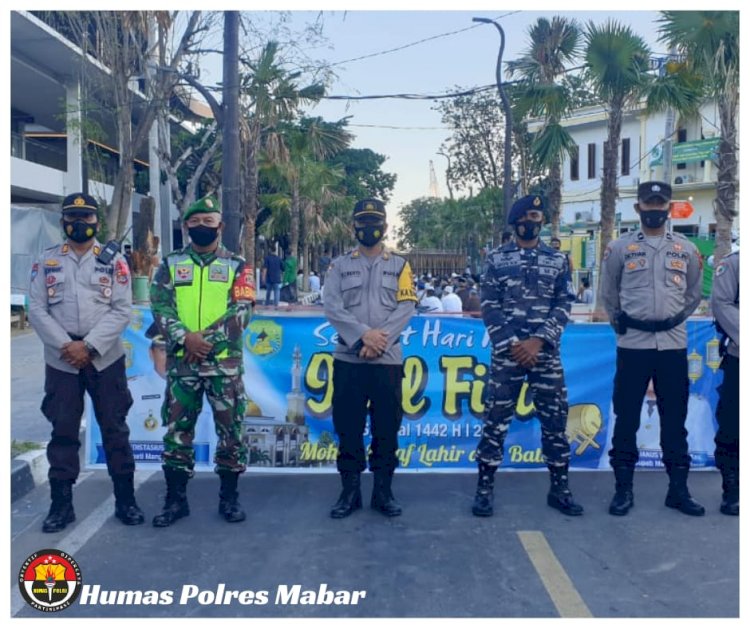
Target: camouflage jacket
526	293
233	278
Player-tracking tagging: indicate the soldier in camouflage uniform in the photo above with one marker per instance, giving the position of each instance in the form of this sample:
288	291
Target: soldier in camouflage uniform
526	296
202	298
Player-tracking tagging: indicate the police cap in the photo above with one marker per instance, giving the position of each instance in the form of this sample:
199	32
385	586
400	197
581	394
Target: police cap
80	202
369	210
205	205
654	190
524	204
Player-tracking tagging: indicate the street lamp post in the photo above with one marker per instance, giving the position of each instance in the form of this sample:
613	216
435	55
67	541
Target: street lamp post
507	187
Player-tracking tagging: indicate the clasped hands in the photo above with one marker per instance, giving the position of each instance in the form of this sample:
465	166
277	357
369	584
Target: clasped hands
375	343
197	347
76	354
526	352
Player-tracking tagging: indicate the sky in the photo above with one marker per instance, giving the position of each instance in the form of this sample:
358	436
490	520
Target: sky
461	54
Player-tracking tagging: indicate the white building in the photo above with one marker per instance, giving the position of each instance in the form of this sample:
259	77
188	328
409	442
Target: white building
46	152
693	176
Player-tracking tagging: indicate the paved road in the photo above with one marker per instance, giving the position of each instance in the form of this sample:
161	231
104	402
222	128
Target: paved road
437	560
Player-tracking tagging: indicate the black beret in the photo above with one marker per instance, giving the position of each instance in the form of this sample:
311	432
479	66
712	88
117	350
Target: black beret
80	202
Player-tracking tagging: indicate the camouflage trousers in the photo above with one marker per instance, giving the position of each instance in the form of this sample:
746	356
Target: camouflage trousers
547	384
182	405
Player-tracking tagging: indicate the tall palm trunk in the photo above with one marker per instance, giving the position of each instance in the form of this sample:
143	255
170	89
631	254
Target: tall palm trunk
294	221
555	196
609	191
726	189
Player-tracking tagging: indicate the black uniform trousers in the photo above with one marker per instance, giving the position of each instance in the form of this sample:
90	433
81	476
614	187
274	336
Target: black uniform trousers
728	416
353	386
669	370
63	407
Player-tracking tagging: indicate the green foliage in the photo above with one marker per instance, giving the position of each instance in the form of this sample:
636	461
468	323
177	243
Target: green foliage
363	174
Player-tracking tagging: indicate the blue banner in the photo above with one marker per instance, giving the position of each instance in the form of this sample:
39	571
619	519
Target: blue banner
288	425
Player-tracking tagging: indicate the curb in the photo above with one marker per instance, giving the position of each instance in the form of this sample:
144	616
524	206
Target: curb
27	471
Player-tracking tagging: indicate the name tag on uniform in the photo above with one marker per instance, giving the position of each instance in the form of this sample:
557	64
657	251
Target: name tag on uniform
183	274
217	272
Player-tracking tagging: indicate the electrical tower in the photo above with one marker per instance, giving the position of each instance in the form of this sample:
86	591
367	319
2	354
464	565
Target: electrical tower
434	191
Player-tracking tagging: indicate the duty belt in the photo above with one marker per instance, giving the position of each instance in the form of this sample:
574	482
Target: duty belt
624	321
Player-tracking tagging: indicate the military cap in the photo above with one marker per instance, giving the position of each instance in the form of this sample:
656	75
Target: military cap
80	202
370	210
524	204
205	205
157	340
655	189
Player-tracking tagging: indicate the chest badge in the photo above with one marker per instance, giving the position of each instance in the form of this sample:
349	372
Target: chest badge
183	273
218	273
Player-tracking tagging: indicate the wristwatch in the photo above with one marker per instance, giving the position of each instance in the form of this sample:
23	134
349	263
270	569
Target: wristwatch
91	349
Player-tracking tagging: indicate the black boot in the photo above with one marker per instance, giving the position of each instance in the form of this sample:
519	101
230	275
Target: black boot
229	505
730	484
351	495
484	499
678	495
175	504
126	510
61	511
559	496
622	502
382	498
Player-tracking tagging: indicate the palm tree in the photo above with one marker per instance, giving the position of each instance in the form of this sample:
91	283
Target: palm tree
709	41
617	63
272	97
552	45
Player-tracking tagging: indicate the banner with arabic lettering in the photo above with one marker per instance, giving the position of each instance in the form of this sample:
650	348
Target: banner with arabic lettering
288	425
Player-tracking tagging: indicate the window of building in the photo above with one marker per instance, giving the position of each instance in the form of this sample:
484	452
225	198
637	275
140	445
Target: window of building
574	164
592	161
625	157
681	137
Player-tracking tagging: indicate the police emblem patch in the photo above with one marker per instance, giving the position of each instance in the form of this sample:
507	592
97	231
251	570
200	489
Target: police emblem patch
720	269
107	292
183	273
34	271
218	272
50	292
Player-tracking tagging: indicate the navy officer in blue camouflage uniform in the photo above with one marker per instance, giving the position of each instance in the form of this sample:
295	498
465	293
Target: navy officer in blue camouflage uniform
526	295
369	299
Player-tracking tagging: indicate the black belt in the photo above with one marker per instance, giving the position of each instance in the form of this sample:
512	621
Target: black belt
74	337
624	321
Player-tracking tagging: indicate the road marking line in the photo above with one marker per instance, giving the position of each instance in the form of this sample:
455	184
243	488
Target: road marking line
559	586
79	533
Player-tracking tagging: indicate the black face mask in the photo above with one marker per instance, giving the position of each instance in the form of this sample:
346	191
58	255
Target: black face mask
203	235
369	235
528	229
654	218
79	230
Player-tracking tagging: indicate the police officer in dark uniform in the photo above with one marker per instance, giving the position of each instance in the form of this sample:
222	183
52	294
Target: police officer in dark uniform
79	307
369	299
651	282
526	295
725	303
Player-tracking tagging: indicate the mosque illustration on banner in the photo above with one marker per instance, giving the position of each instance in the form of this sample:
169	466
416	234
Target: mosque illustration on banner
270	441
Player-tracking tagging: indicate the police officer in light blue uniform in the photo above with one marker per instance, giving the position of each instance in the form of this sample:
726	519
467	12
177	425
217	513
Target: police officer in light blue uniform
80	307
369	300
651	283
526	295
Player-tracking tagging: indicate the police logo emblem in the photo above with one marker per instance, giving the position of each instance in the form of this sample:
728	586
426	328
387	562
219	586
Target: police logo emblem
51	280
34	271
677	247
218	273
656	188
677	279
107	292
631	266
50	580
183	273
720	269
209	203
50	292
537	201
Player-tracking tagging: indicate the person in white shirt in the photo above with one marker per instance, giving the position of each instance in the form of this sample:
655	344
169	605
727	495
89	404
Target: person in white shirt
451	301
314	281
430	302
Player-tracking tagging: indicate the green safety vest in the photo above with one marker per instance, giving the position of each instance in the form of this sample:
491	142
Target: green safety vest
201	292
